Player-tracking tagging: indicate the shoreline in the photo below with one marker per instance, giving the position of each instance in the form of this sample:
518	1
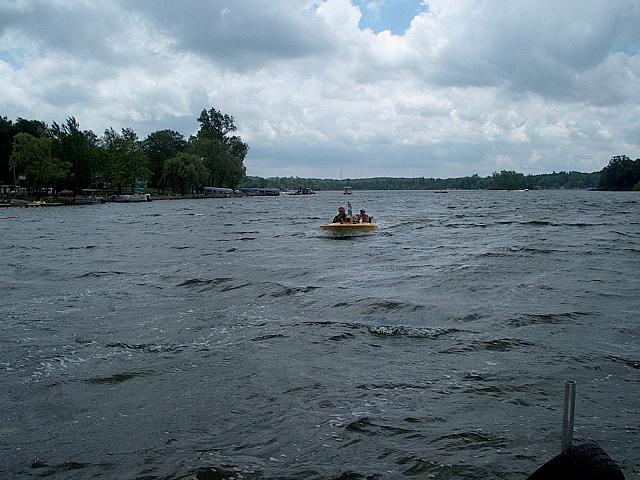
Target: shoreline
32	202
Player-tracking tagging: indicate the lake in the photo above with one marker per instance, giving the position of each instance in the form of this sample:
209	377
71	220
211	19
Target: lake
227	338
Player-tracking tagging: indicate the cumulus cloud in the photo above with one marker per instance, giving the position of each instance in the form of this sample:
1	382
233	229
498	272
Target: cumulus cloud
469	87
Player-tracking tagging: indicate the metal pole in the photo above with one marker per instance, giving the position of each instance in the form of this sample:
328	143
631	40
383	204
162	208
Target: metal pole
568	414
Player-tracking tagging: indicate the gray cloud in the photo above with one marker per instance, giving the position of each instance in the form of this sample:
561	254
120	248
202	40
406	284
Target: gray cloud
245	34
77	28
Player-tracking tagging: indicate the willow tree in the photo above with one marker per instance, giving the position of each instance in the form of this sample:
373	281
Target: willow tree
184	172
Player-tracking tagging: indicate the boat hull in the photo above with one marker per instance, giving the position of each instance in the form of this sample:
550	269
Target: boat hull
348	230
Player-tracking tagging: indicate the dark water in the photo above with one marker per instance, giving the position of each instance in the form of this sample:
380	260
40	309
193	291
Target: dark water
178	339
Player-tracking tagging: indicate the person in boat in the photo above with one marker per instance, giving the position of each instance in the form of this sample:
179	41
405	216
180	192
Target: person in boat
341	217
363	217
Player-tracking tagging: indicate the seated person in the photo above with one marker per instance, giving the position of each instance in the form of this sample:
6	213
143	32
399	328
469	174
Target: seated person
363	217
341	217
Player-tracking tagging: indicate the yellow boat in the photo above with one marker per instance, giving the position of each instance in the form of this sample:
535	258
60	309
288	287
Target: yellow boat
352	226
348	229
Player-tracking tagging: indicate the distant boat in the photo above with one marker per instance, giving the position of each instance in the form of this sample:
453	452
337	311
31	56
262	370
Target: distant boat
440	191
302	191
260	192
218	192
89	198
135	197
348	190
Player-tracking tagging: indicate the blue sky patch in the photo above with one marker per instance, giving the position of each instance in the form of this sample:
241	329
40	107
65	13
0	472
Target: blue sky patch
625	47
393	15
13	57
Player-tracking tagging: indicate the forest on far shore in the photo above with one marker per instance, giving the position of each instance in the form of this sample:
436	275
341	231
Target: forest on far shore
621	173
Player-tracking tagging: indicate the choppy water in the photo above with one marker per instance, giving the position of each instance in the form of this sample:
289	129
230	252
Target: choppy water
180	339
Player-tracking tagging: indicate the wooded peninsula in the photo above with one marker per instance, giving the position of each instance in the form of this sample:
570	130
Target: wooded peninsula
36	157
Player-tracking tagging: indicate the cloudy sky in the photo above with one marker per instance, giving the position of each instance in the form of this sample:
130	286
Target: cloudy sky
434	88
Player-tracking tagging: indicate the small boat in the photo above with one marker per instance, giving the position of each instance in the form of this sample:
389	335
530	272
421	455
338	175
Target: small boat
218	192
89	197
440	191
348	190
135	197
260	192
302	191
348	229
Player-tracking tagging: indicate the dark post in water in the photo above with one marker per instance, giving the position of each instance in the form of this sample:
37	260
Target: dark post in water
568	414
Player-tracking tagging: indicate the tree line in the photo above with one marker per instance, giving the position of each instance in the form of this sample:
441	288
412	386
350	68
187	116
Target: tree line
504	180
621	174
66	157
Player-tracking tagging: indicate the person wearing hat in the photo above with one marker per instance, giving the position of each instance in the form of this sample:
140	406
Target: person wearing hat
363	217
341	217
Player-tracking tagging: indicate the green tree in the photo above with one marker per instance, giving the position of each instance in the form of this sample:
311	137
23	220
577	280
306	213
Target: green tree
36	128
184	172
6	142
222	154
160	146
32	155
8	130
127	164
507	180
621	173
79	148
237	147
225	169
215	124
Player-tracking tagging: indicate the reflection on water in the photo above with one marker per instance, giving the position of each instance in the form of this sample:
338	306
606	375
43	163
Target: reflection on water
221	337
